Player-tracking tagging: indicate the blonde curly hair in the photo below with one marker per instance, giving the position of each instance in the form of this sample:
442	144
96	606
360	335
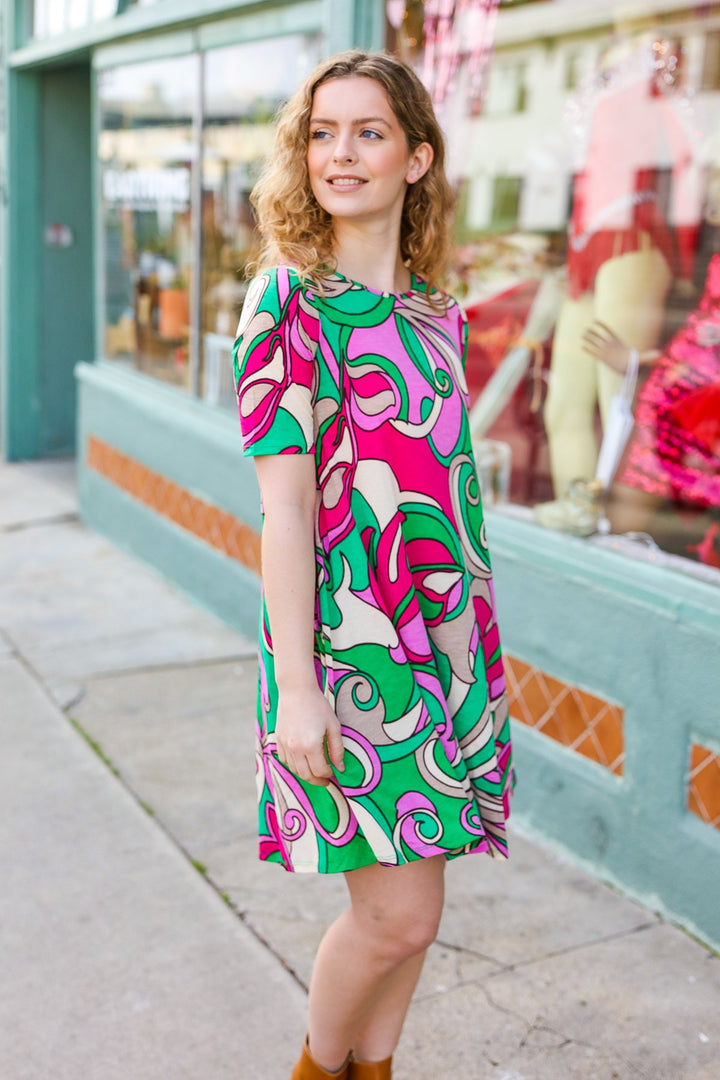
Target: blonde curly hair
293	226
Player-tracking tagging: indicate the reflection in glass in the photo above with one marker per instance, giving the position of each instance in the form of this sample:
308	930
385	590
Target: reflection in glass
588	226
244	85
147	153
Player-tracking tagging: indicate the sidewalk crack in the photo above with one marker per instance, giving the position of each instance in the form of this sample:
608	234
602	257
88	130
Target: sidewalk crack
39	523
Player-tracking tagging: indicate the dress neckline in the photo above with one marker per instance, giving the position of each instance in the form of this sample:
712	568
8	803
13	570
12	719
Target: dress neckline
379	292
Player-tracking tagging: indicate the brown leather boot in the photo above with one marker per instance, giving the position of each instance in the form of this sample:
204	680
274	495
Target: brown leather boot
308	1069
370	1070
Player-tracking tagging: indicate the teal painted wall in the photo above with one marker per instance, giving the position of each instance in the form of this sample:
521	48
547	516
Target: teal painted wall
47	292
21	254
67	273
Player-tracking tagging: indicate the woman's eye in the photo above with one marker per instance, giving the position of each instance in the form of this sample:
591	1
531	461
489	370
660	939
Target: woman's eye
368	133
320	133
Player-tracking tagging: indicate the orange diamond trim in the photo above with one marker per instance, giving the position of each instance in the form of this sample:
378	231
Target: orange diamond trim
211	524
586	724
704	785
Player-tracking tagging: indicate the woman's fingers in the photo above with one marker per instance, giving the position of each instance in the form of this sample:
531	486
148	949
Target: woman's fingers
335	748
310	765
313	765
318	768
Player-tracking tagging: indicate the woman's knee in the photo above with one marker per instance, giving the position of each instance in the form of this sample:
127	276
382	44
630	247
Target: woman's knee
419	935
397	938
399	921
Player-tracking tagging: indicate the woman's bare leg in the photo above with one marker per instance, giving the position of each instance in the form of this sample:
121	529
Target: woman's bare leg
380	1034
369	961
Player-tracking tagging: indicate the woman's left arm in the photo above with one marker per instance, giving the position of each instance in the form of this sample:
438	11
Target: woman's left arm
306	724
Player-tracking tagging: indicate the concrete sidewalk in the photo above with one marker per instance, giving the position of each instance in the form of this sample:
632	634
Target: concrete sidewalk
142	939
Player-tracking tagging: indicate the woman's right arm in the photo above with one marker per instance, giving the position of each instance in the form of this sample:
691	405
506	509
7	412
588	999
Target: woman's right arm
306	723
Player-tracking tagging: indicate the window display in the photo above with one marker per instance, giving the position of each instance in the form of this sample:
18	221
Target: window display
587	158
147	163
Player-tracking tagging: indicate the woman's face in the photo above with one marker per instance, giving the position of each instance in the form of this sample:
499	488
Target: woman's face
359	162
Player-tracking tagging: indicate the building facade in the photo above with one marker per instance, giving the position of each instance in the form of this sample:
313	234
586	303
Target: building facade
585	149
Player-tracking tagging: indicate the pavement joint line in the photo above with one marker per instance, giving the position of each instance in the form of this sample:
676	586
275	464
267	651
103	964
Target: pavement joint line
506	969
97	749
245	919
20	657
10	643
168	665
47	689
472	952
37	523
131	635
580	946
197	865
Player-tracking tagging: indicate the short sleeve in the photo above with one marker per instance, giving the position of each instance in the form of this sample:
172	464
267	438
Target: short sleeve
274	363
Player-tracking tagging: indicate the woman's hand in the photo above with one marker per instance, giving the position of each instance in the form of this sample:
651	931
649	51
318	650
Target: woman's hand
308	735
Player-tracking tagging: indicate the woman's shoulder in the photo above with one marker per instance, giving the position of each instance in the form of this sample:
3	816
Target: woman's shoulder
276	278
273	288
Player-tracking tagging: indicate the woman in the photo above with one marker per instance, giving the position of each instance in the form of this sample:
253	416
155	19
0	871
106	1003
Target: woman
383	745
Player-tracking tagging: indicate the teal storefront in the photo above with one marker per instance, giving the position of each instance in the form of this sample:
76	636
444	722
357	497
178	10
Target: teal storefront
132	135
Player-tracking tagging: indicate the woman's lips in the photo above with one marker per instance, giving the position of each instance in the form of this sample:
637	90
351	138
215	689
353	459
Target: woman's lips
346	181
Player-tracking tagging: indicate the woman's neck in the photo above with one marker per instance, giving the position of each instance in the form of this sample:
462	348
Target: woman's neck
372	258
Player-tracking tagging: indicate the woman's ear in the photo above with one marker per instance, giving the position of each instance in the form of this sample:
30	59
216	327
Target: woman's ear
420	162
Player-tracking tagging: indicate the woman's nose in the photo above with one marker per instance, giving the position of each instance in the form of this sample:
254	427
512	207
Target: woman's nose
344	149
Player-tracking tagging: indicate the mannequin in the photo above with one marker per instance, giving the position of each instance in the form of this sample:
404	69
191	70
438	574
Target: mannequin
620	252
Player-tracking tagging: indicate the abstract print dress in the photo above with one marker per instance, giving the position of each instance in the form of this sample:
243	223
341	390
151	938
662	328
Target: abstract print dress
406	643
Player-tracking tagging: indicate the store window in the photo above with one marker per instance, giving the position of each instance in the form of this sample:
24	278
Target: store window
147	153
585	148
58	16
181	144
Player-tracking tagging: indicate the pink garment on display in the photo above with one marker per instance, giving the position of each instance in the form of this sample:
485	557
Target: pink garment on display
675	452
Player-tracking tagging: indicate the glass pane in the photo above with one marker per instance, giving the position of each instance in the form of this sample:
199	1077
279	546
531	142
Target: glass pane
147	156
244	87
49	17
57	16
586	159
